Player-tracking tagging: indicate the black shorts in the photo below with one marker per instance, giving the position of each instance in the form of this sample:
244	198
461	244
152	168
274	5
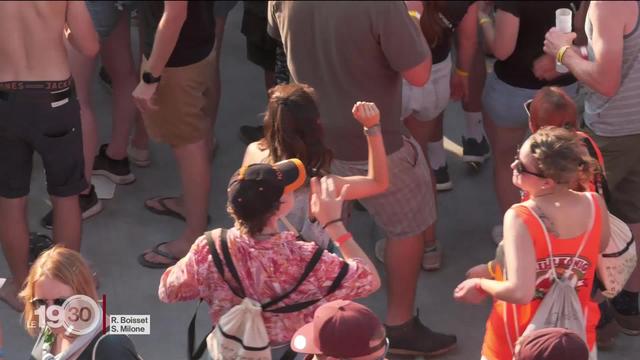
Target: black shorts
40	116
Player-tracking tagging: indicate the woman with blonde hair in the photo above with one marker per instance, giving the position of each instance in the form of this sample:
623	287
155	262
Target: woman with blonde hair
577	224
60	277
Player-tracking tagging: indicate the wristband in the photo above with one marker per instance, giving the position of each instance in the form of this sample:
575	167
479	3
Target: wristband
414	14
490	268
374	130
342	239
560	53
461	72
331	222
484	20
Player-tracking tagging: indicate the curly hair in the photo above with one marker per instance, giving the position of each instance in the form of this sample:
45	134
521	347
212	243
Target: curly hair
561	155
292	128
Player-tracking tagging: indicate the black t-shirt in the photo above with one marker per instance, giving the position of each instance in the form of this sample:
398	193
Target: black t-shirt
451	14
536	18
196	36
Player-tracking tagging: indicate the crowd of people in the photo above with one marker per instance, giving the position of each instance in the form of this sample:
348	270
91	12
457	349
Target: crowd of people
355	100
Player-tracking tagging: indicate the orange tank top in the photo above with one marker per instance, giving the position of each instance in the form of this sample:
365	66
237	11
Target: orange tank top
497	342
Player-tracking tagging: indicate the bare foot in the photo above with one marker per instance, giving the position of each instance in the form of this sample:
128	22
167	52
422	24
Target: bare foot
9	295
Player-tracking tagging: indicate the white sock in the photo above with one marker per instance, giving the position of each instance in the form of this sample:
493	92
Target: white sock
437	156
473	128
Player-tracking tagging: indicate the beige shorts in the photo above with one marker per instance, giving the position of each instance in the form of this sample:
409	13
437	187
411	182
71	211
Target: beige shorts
185	104
622	166
408	206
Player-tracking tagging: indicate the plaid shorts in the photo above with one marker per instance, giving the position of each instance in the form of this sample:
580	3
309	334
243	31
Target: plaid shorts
408	207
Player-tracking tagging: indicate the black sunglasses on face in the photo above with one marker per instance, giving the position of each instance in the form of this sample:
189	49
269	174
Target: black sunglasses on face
45	302
520	169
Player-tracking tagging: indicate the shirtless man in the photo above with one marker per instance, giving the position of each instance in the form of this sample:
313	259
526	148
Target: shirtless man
38	112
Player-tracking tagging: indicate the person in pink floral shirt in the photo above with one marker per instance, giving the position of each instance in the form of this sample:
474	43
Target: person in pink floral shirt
269	262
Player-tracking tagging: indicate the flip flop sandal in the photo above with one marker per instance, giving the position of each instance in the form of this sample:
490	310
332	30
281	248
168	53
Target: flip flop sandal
156	265
165	210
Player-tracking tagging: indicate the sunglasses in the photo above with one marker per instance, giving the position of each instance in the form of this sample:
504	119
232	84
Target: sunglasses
527	107
47	302
520	169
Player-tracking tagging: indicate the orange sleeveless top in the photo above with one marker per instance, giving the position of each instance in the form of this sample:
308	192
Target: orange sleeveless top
497	342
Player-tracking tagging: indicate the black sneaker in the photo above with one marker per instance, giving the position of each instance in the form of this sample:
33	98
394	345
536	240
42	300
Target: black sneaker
38	243
90	205
249	134
626	312
475	152
117	171
443	181
414	339
104	77
607	328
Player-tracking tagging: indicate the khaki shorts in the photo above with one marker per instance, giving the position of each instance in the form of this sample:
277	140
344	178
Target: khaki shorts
185	104
408	207
622	166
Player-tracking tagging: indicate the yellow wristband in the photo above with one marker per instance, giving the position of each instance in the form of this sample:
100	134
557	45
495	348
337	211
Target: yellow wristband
414	14
461	72
490	267
560	53
484	20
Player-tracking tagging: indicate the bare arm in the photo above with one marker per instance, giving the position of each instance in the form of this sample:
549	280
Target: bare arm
174	16
466	45
501	40
377	179
419	75
326	205
80	31
467	38
604	73
520	261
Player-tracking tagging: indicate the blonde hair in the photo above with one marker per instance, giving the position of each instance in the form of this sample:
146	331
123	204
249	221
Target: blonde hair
61	264
561	155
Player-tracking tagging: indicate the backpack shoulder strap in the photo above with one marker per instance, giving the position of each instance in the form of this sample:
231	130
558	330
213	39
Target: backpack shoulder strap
337	281
317	255
217	261
192	353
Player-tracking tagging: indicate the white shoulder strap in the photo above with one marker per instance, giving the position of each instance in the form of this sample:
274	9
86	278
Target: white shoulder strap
584	238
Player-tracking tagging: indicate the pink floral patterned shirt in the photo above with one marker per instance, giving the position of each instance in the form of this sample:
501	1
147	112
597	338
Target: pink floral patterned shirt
267	268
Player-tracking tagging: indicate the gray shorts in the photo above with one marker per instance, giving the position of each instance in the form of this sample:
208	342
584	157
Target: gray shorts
505	103
408	207
105	14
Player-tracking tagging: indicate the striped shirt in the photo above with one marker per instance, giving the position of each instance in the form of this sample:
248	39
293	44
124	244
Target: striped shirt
618	115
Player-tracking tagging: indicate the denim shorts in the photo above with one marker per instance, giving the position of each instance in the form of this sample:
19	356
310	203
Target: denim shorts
105	14
505	103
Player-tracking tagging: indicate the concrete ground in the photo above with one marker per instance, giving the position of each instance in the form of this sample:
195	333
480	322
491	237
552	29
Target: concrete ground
113	239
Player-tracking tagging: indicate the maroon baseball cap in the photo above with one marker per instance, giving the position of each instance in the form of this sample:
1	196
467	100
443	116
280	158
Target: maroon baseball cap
553	344
341	329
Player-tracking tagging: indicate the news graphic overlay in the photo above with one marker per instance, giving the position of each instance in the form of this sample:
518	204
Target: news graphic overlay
79	315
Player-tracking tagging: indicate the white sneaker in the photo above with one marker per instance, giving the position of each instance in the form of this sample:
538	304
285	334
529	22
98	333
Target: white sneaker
139	157
496	234
431	259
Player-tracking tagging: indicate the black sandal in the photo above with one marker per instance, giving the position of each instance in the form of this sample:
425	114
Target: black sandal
157	265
